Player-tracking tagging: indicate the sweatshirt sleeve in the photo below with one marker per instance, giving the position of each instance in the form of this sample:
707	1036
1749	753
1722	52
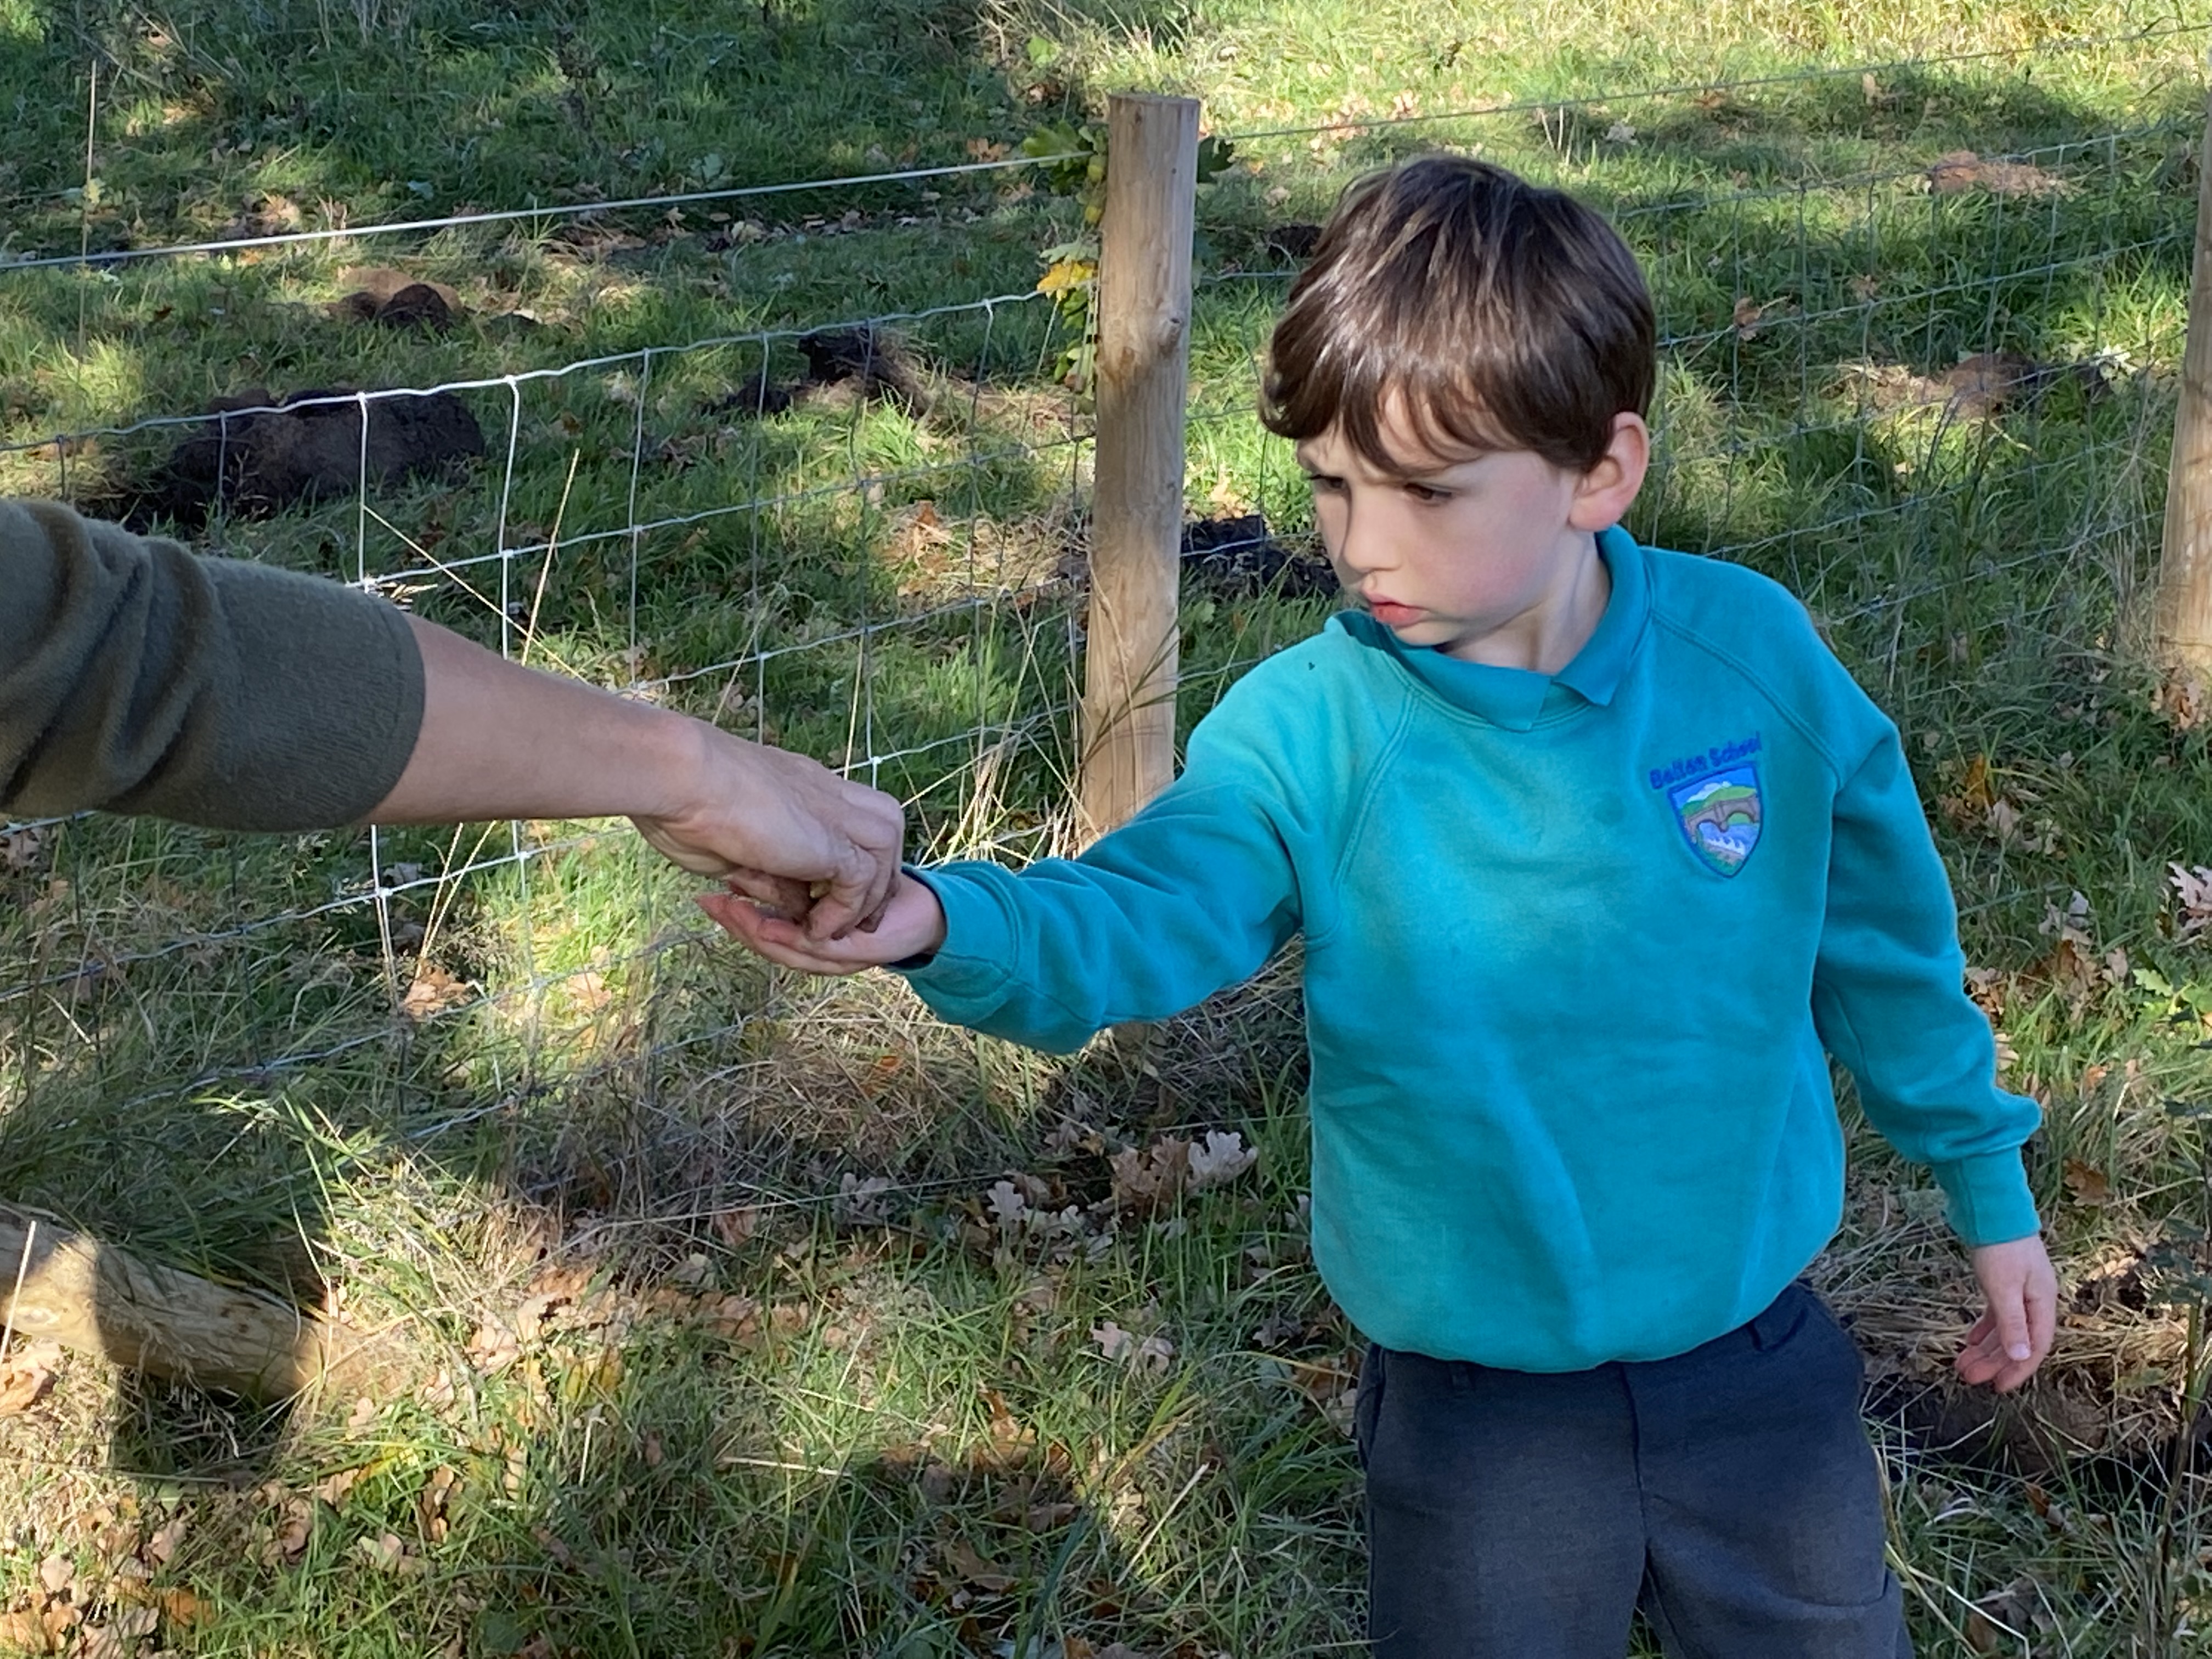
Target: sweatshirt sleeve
1889	1001
137	677
1192	895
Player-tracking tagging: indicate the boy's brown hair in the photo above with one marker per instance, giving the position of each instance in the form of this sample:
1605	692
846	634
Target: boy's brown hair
1493	313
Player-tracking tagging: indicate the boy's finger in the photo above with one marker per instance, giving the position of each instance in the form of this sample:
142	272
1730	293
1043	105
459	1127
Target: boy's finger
2009	1307
779	941
2042	1315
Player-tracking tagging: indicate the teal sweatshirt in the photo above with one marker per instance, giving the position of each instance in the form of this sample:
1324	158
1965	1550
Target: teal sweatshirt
1577	949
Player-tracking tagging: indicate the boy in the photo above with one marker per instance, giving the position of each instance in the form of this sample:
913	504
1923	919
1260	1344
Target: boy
1597	852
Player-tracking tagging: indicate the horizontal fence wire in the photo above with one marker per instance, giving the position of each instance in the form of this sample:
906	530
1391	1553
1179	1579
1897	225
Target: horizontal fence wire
550	213
896	585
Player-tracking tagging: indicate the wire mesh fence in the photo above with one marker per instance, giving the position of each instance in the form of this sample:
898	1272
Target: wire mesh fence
1929	391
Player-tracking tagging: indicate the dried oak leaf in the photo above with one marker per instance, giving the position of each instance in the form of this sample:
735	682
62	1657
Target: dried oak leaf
973	1571
434	991
1219	1159
161	1548
2088	1184
27	1377
122	1637
2192	896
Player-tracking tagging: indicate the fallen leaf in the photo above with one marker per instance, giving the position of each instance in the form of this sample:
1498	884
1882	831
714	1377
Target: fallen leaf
24	1632
161	1548
734	1227
552	1543
119	1637
2192	893
386	1552
1746	316
27	1377
1147	1180
1219	1159
334	1489
860	1203
2088	1184
59	1618
434	990
19	848
1007	1205
295	1525
493	1348
1151	1353
183	1609
430	1504
973	1571
56	1573
363	1415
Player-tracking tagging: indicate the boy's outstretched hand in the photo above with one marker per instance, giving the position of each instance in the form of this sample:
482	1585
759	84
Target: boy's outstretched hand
2008	1341
913	922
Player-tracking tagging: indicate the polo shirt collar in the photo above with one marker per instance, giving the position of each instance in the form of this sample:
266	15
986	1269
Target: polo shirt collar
1516	698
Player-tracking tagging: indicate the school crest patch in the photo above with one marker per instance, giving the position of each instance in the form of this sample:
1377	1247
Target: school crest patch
1720	813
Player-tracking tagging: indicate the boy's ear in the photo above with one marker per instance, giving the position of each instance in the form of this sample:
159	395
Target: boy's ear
1604	493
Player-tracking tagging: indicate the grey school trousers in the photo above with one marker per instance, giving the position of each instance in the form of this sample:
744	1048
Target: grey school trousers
1729	1491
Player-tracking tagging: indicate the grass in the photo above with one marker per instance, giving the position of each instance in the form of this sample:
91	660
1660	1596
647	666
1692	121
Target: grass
738	1314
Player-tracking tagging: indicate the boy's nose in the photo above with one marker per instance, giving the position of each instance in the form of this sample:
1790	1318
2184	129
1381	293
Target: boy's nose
1363	548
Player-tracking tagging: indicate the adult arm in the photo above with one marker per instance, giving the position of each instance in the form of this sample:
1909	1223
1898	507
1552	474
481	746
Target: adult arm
501	741
138	678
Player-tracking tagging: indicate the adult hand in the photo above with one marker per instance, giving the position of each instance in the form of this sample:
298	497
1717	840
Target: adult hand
2009	1341
501	741
912	924
764	810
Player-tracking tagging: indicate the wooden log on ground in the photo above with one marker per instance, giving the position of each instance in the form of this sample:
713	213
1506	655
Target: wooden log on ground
161	1323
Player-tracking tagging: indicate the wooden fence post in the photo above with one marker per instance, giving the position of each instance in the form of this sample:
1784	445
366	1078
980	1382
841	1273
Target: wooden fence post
2185	576
1128	722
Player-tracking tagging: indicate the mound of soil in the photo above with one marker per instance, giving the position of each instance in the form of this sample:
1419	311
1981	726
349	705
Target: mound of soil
844	366
257	454
393	299
1979	387
1239	557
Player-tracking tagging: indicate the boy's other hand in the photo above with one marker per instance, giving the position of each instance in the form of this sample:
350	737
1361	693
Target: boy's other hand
2008	1341
757	909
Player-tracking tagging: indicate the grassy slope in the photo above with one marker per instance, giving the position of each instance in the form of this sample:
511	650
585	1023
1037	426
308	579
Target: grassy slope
902	1436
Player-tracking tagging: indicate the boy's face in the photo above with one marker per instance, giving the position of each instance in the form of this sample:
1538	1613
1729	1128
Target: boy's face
1489	557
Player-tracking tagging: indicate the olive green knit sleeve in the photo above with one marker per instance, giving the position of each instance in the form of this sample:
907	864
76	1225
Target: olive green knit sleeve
137	677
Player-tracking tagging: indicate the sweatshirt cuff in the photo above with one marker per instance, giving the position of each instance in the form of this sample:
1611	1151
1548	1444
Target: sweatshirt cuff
1989	1200
970	967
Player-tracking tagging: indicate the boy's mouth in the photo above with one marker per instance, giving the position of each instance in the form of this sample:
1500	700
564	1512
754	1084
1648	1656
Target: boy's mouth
1389	613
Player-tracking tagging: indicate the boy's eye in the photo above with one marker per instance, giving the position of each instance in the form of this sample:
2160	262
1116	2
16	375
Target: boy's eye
1323	482
1427	493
